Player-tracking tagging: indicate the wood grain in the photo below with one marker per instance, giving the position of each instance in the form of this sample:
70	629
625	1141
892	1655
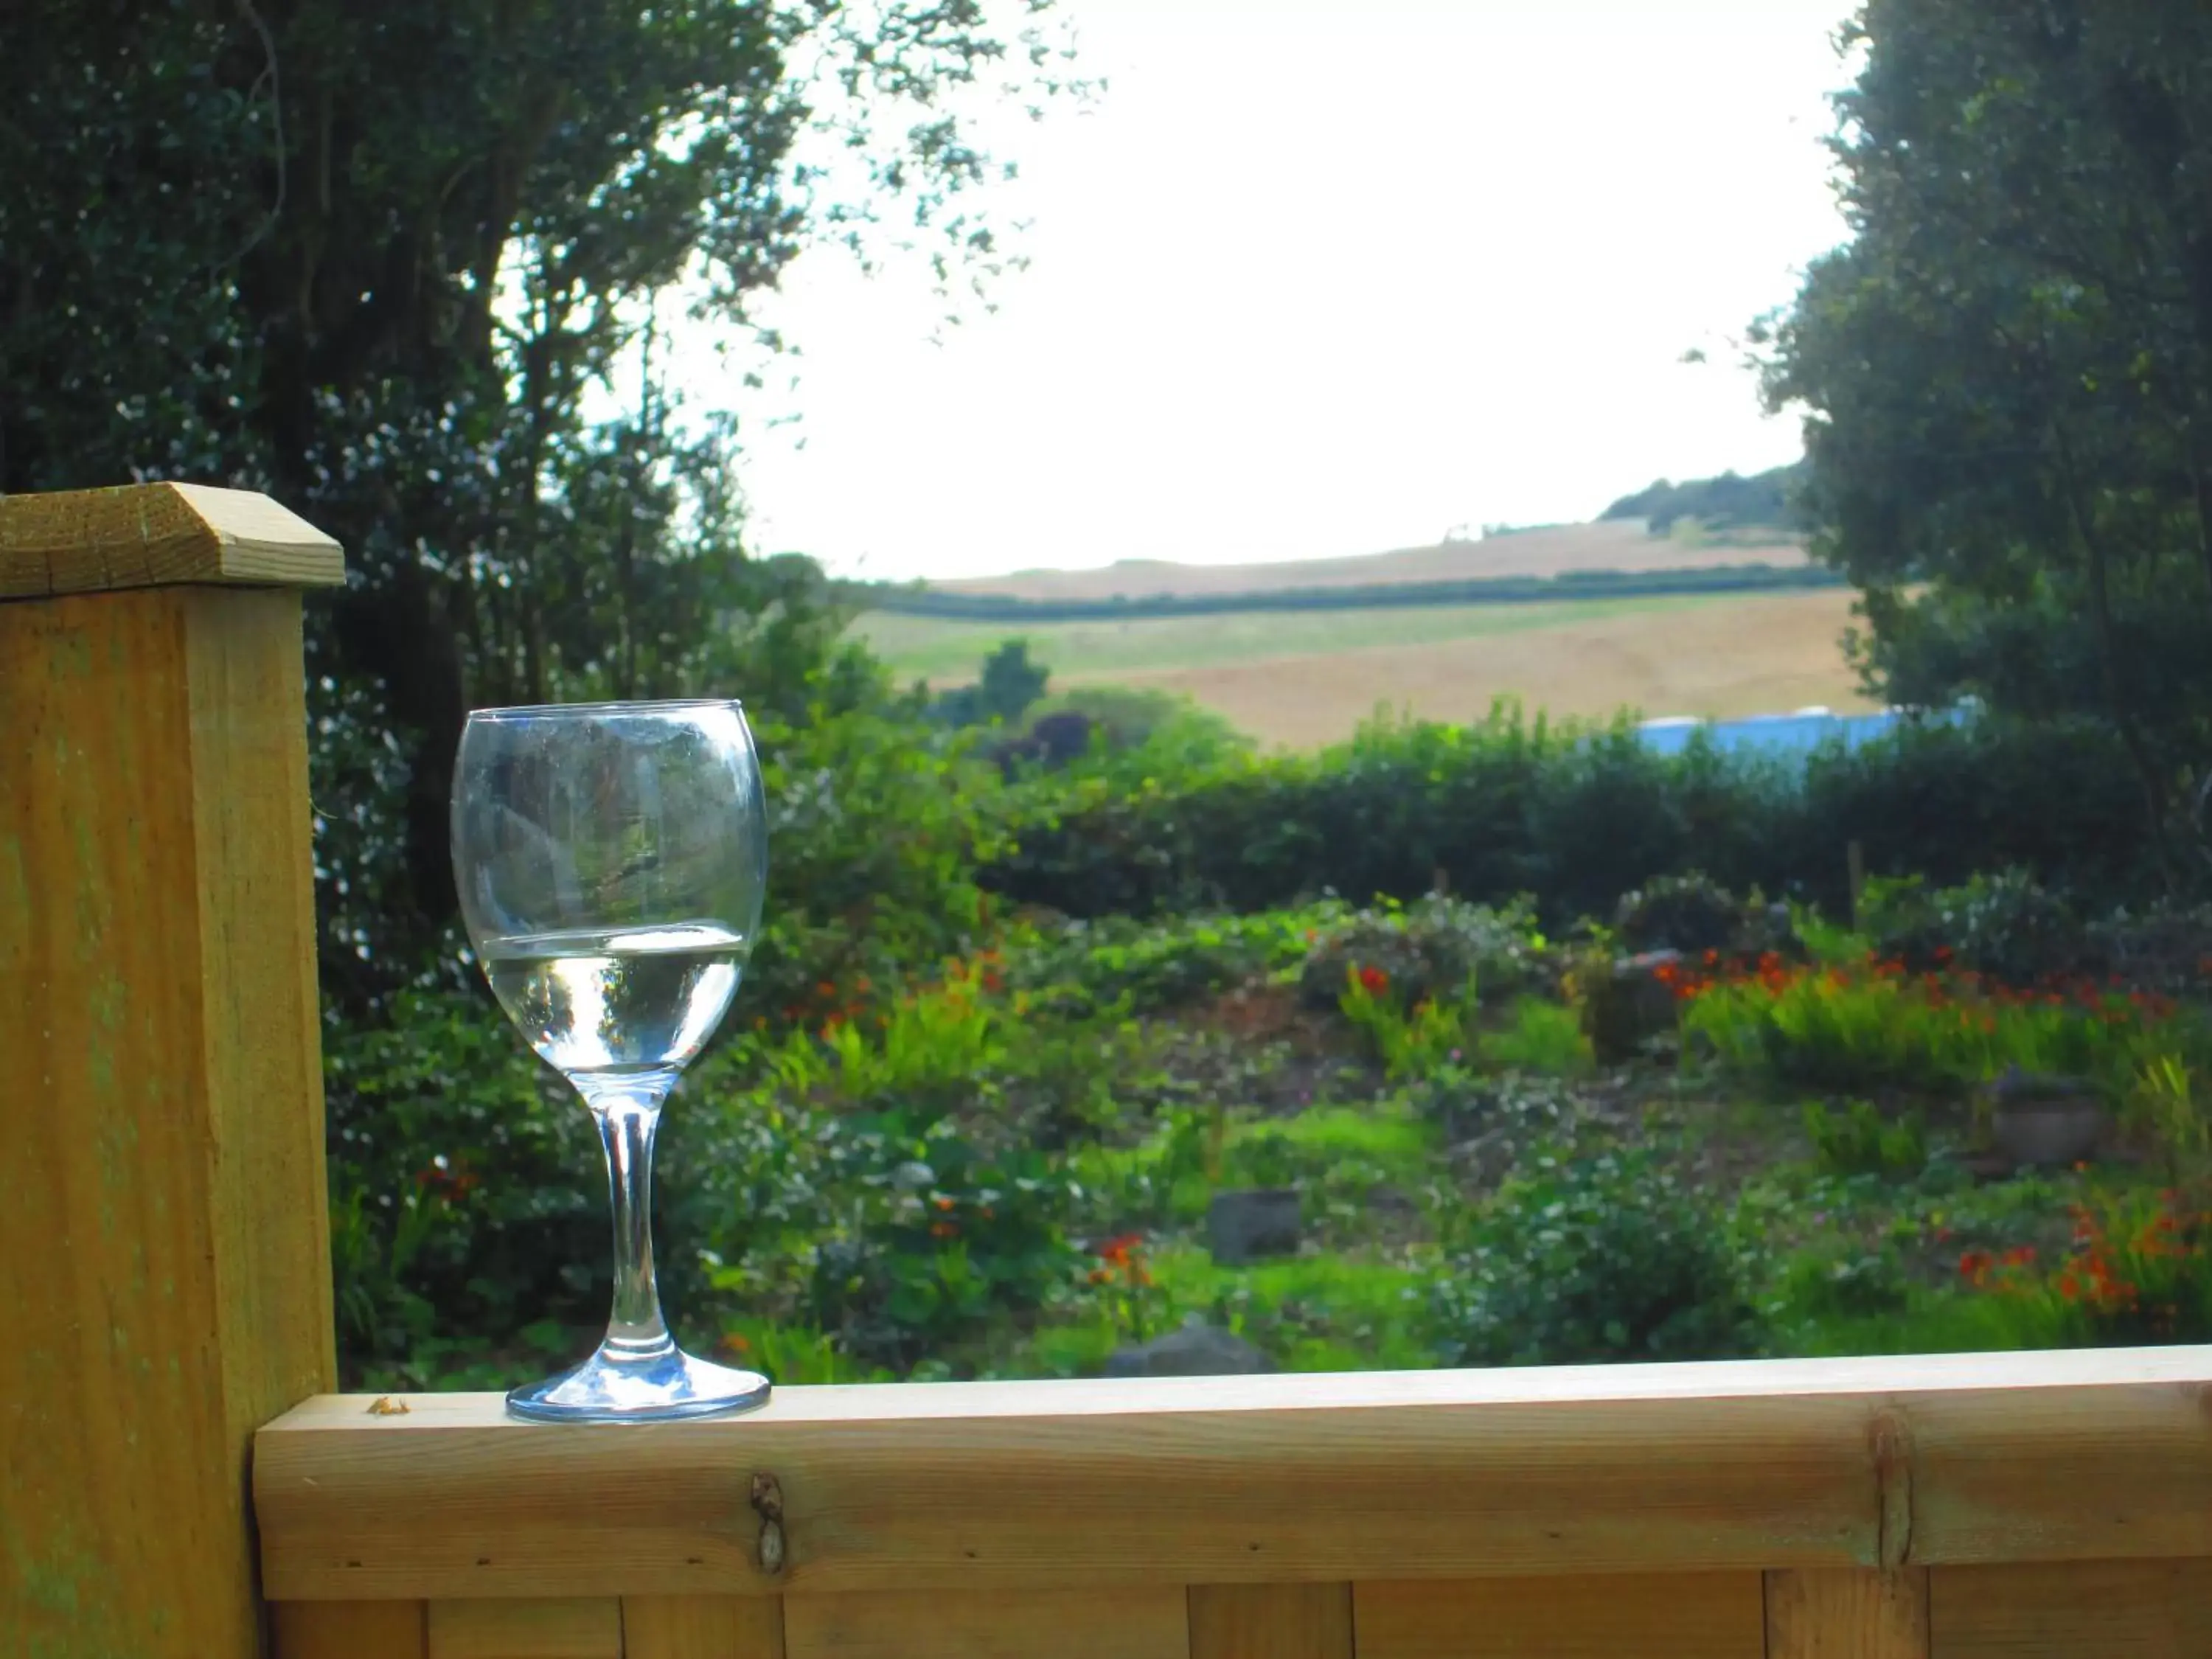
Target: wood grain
164	1252
1151	1623
1672	1616
1271	1621
1275	1479
702	1627
561	1627
1850	1614
349	1630
156	535
2083	1610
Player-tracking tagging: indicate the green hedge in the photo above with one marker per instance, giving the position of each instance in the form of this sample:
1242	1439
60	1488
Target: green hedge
1576	819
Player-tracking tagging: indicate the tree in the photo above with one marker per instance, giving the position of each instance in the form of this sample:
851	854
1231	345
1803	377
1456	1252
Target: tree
1009	683
410	266
2007	371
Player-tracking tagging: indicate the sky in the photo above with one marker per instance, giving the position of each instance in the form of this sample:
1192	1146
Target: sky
1319	277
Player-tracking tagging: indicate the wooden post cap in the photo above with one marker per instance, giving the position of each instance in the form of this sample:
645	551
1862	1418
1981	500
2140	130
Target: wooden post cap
157	534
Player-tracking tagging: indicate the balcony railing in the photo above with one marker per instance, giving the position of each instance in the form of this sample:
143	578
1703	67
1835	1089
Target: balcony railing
176	1479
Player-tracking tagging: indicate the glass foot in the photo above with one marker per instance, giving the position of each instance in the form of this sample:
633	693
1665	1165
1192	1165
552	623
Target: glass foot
645	1389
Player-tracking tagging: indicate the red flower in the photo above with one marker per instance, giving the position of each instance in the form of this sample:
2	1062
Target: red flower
1116	1252
1374	980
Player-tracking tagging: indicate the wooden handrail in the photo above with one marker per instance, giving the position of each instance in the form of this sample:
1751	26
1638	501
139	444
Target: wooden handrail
1869	1463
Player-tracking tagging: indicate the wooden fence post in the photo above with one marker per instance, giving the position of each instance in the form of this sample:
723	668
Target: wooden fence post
164	1249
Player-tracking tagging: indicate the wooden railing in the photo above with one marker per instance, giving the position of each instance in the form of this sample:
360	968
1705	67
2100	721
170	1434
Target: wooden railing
164	1256
1966	1506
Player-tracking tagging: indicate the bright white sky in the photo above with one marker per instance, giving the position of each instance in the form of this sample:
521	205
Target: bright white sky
1317	278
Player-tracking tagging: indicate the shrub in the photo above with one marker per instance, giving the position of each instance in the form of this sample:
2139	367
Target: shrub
2004	926
1691	913
467	1188
1437	948
1607	1257
1086	967
925	1237
1577	817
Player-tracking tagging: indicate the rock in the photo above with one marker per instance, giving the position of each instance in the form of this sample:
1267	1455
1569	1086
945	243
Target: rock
1197	1350
1246	1225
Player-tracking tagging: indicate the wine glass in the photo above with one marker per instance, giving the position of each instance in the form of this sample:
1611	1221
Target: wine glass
610	859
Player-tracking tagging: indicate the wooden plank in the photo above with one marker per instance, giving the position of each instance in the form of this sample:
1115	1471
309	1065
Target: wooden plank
154	535
702	1627
349	1630
1147	1623
2080	1610
1697	1615
164	1248
1848	1614
1316	1479
1271	1621
560	1627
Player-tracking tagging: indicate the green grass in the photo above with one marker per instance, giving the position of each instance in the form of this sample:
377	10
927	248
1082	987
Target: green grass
936	649
1312	1313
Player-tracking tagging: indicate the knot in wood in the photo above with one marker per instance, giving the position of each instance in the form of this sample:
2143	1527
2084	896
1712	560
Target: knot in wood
768	1503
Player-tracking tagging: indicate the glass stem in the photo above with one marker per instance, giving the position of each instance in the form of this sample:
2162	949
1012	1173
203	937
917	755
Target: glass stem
628	1111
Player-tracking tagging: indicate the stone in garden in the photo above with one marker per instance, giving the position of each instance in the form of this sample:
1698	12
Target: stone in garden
1250	1224
1197	1350
1635	1004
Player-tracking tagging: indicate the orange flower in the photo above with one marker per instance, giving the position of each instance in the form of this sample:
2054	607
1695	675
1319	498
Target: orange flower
944	1230
947	1203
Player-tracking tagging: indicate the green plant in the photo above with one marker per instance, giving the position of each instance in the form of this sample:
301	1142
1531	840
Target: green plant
1603	1257
1876	1026
1859	1140
1086	967
2139	1271
2163	1100
1123	1283
1437	948
929	1237
1409	1042
791	1355
1539	1035
1841	1282
2004	926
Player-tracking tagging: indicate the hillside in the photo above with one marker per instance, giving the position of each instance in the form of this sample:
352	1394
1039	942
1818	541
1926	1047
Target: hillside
1308	677
1548	552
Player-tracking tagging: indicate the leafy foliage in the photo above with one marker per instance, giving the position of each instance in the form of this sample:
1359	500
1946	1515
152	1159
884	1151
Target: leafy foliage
2009	369
1573	818
410	267
1605	1257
